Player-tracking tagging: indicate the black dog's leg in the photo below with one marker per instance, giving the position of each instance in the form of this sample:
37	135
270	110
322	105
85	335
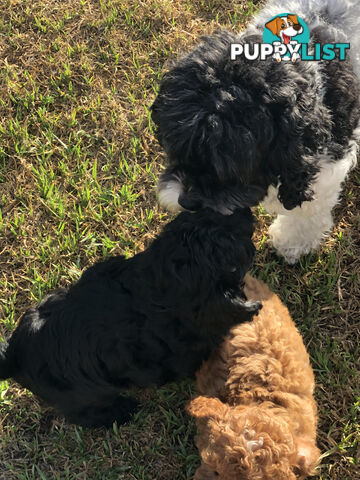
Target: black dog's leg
121	410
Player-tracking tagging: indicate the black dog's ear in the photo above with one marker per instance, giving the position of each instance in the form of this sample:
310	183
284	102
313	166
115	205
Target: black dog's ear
292	168
295	183
303	124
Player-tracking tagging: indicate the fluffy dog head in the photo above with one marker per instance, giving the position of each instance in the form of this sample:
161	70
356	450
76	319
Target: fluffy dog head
205	252
231	128
250	443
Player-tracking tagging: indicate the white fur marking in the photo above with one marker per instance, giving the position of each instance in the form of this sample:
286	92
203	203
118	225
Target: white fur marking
254	445
168	194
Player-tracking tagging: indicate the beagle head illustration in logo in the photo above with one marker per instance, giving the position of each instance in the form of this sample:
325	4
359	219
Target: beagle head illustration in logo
285	27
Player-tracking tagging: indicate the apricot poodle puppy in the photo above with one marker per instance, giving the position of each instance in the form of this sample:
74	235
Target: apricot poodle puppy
258	418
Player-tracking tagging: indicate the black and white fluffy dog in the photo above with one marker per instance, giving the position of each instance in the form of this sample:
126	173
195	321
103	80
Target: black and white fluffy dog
241	132
147	320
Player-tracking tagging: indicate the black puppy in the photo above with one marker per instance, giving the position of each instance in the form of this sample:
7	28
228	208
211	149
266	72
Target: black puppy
147	320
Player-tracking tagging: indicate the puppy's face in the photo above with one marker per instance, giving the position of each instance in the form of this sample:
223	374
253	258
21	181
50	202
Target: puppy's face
249	443
183	188
216	128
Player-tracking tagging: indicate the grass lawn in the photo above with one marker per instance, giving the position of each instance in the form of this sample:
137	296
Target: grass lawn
78	167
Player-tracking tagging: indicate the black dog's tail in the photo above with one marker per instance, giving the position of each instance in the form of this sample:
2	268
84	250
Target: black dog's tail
7	368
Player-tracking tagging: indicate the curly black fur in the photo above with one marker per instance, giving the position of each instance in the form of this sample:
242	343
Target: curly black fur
232	128
147	320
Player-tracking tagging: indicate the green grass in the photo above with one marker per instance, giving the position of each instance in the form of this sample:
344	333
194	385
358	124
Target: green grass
78	168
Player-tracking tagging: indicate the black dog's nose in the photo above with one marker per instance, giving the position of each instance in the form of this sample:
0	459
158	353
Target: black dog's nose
189	203
297	27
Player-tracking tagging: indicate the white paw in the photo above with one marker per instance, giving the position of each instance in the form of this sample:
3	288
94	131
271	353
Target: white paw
290	255
290	241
